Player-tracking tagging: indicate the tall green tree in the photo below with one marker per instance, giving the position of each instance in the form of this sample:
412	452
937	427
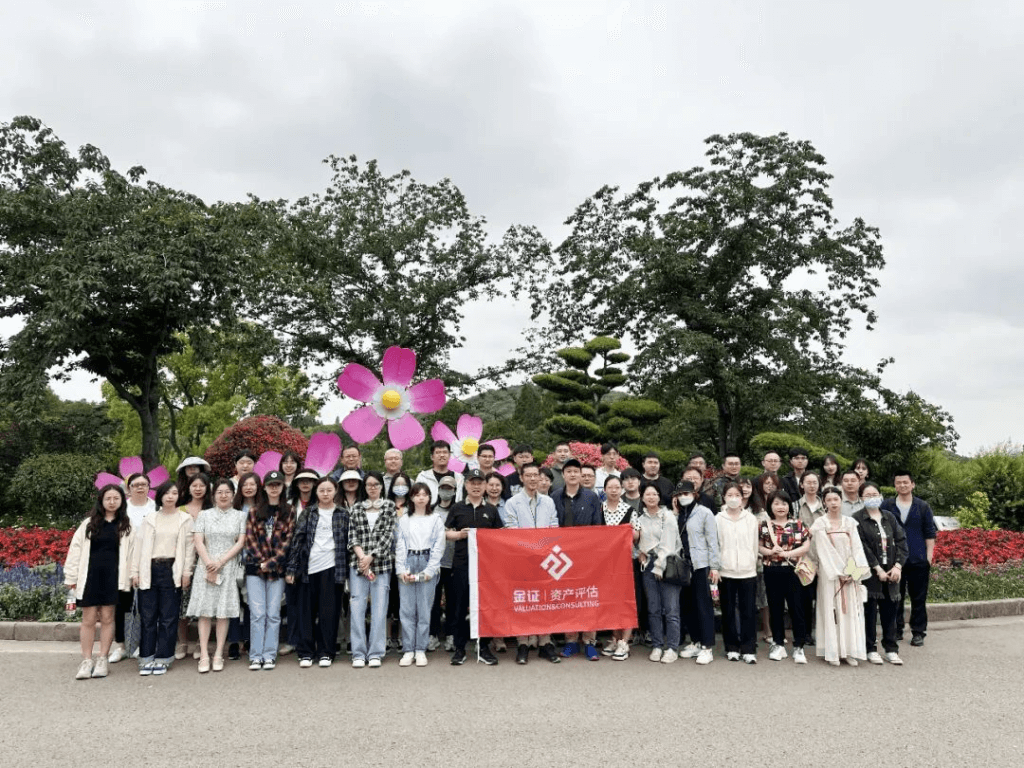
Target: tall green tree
104	270
378	260
711	272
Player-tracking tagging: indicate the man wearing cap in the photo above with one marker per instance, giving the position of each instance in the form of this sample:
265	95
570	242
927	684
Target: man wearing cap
392	467
530	508
440	452
575	506
474	512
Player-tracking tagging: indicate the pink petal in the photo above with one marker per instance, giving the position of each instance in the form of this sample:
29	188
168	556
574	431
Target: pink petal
158	475
501	449
363	424
268	461
152	494
405	432
129	466
105	478
469	426
455	465
506	469
427	396
358	382
398	366
440	431
323	452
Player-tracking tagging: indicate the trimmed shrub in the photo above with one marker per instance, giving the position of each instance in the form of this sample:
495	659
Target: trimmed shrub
54	490
257	434
638	410
781	442
601	344
572	426
579	408
576	357
561	386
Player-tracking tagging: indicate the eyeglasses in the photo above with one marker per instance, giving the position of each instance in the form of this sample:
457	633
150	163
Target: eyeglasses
373	485
139	485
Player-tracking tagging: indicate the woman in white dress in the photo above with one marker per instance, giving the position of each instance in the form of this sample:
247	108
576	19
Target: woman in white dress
839	618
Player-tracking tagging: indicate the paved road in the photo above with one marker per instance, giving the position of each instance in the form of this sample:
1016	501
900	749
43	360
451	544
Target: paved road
957	701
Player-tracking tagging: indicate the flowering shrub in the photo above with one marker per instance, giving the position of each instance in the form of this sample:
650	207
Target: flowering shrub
589	455
34	594
33	546
256	434
975	547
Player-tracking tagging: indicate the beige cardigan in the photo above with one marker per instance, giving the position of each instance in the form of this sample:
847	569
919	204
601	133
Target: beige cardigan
76	566
184	549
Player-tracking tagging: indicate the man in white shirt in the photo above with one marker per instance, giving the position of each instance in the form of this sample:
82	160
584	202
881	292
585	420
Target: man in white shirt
532	509
609	458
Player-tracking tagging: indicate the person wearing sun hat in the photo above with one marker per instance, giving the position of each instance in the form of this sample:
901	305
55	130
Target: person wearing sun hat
187	470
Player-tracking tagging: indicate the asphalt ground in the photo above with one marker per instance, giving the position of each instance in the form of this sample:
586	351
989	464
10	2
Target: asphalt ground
959	700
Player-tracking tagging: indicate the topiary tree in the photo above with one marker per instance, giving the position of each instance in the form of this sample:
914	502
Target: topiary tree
257	434
53	490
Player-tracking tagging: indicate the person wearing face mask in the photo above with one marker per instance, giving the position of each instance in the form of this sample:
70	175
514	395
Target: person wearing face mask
399	494
885	546
737	545
699	533
443	625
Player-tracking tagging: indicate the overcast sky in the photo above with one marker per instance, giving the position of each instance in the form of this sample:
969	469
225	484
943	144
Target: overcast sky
529	107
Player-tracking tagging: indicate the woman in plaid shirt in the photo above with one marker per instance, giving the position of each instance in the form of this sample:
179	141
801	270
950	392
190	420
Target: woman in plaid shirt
371	537
783	541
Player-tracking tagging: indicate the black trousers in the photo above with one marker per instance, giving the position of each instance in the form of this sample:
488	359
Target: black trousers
739	596
321	599
123	607
784	589
642	621
808	596
292	614
914	583
887	608
438	628
698	610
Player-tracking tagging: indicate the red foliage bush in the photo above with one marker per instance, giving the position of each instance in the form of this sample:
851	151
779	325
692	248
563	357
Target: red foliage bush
977	547
256	434
33	546
589	455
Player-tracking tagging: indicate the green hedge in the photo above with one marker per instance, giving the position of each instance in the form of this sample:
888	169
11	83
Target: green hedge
53	490
781	442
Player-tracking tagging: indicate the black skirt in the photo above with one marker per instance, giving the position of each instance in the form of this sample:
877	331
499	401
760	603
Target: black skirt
101	582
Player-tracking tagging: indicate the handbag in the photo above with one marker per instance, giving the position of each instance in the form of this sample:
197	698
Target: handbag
805	568
132	626
678	569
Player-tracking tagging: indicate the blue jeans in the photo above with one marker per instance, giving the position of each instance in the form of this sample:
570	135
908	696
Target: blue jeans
376	591
264	616
662	610
158	613
416	603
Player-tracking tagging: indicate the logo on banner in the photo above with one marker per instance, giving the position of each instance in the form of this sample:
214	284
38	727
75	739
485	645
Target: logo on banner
557	563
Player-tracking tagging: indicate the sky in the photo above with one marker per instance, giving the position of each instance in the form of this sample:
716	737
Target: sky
530	107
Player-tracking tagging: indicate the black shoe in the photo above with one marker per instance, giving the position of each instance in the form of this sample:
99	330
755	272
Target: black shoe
458	658
917	640
549	652
810	640
485	656
233	653
522	654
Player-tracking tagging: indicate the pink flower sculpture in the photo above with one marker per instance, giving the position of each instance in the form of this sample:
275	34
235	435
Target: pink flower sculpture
268	461
323	452
394	401
128	466
465	442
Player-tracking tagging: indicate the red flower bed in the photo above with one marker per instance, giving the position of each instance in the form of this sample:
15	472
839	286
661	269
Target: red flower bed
589	455
33	546
978	547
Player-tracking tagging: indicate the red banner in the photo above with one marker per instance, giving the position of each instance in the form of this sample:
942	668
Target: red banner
534	581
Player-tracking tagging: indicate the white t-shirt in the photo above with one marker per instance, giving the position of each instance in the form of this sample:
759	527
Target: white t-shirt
904	509
420	533
138	513
371	517
321	554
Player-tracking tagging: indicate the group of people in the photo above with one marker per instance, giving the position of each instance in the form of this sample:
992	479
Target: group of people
280	561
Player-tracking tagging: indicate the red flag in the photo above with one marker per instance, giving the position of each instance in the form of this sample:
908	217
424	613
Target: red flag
534	581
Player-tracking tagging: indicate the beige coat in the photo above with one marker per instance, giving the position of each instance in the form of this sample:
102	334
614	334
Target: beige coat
184	549
76	566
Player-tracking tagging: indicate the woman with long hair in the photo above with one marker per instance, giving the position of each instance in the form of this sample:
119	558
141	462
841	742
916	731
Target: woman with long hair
658	538
96	570
398	493
198	498
420	542
289	466
830	472
737	546
189	468
371	536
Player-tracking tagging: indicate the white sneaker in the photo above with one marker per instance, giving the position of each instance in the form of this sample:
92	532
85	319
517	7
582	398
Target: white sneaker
84	670
655	654
100	670
326	661
733	655
358	663
374	663
255	665
798	656
449	644
621	651
116	654
706	656
407	659
749	658
305	663
433	643
851	661
269	664
610	648
777	652
875	658
421	659
146	669
893	658
692	651
669	656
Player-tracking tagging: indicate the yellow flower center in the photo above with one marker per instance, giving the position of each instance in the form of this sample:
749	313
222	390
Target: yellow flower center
391	399
469	446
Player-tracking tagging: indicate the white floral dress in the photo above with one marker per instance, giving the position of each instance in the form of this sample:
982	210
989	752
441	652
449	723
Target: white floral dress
220	529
